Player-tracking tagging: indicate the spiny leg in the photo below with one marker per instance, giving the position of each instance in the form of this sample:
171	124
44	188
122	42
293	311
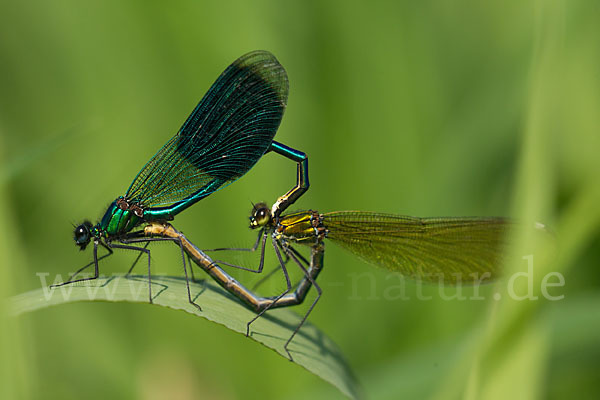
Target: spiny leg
272	272
267	276
94	263
293	254
261	263
287	281
141	250
191	268
187	281
297	254
253	248
136	259
162	239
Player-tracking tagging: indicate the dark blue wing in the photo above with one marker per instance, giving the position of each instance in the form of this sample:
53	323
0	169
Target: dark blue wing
230	129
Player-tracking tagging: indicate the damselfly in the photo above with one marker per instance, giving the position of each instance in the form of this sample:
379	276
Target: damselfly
455	250
228	131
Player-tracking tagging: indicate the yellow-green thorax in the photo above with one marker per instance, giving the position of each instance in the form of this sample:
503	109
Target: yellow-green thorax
304	227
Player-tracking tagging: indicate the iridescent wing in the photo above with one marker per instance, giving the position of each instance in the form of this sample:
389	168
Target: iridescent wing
448	250
228	131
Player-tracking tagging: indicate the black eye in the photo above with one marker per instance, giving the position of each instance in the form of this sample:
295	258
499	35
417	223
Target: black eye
82	234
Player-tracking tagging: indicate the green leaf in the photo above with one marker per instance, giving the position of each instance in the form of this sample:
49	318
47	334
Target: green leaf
310	348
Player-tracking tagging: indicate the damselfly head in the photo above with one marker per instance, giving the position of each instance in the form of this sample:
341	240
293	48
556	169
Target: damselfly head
261	215
83	234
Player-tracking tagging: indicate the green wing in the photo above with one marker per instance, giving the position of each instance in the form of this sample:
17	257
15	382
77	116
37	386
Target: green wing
448	250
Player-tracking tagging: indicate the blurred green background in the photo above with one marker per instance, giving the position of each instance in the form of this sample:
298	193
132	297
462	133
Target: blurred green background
422	108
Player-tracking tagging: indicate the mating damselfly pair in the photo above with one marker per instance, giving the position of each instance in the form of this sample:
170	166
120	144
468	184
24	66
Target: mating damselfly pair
231	128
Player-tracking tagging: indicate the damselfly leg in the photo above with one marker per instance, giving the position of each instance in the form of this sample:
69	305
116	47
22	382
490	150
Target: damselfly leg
262	239
110	246
261	235
302	287
94	263
257	303
131	239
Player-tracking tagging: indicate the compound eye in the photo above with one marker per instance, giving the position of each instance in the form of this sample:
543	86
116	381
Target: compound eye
82	235
262	216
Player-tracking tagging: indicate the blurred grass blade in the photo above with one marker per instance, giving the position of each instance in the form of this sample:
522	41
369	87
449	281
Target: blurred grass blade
311	348
13	167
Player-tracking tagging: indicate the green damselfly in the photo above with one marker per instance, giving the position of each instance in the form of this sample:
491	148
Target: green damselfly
226	134
449	250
